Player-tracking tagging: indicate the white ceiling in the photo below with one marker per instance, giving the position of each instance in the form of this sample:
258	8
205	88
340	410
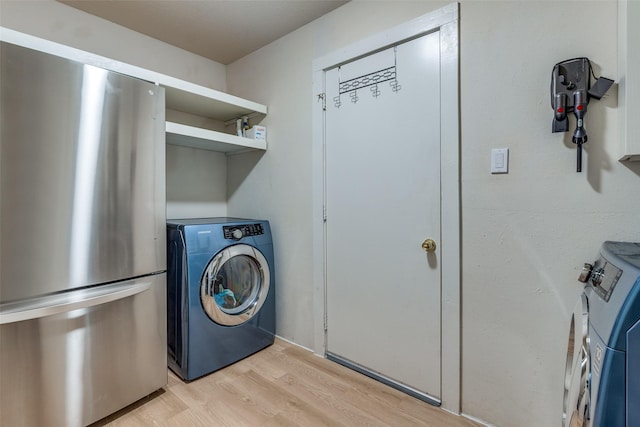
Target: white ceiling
221	30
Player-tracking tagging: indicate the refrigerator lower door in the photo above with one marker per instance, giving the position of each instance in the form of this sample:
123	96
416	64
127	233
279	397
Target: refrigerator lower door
74	359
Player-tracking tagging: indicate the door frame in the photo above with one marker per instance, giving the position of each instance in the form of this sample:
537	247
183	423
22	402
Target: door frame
445	20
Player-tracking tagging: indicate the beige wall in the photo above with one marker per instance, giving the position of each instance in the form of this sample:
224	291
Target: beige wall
525	234
57	22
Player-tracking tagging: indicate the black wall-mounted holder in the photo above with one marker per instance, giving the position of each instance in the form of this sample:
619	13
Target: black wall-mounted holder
571	91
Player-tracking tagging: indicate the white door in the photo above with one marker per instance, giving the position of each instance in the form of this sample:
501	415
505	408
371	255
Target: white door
382	186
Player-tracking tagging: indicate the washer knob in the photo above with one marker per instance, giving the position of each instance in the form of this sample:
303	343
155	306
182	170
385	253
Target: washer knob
585	273
237	234
596	276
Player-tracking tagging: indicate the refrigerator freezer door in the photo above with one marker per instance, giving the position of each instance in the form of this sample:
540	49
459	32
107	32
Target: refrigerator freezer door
82	184
75	367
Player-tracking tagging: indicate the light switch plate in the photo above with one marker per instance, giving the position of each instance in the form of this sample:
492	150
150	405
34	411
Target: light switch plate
500	160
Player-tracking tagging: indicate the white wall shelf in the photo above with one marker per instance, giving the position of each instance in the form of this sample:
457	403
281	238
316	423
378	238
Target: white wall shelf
201	101
194	137
181	96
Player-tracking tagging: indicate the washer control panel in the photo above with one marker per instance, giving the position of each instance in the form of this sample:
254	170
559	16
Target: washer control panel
604	278
237	232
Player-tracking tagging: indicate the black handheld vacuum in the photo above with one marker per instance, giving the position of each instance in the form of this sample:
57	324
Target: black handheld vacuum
571	91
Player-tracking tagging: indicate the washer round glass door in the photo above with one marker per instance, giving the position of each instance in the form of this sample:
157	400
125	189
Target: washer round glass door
577	393
235	284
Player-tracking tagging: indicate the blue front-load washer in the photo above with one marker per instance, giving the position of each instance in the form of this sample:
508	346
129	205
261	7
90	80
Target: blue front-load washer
220	293
602	376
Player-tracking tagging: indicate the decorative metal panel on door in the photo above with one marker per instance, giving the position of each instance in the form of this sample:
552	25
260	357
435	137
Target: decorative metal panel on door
371	80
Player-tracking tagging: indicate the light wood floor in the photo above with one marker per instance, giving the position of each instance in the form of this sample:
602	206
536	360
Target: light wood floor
283	385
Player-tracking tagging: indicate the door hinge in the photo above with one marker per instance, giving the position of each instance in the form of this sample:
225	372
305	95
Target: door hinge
323	97
324	214
325	323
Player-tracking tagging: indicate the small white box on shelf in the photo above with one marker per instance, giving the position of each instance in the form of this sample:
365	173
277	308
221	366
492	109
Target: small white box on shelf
257	132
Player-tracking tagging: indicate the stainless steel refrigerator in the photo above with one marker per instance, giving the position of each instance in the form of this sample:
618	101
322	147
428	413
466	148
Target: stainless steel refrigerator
82	240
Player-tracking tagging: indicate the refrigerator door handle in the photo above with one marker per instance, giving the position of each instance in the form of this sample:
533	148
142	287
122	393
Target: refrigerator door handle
60	303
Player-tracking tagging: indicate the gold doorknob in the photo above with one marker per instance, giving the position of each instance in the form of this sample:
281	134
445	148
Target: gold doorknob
429	245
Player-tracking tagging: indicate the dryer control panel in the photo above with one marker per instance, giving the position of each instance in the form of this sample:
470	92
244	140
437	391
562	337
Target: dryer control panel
237	232
604	277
